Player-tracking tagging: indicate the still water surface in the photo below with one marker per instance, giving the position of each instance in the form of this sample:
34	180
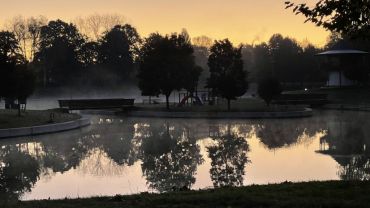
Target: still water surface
118	155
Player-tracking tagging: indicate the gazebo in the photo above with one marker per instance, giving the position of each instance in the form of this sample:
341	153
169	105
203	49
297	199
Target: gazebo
338	61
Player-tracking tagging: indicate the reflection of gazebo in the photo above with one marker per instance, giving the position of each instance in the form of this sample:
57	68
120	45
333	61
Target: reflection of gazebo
339	61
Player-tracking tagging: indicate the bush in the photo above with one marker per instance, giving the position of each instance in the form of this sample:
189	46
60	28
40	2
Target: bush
268	89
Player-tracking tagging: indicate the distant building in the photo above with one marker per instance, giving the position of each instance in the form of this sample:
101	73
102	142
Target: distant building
337	61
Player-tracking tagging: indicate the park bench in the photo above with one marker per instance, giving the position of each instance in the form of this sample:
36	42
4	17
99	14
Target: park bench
90	104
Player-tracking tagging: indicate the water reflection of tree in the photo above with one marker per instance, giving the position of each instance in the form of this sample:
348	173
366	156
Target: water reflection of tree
355	168
277	134
18	173
117	142
229	156
62	154
170	158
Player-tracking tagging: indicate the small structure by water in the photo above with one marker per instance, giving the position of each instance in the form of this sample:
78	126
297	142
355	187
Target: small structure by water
340	63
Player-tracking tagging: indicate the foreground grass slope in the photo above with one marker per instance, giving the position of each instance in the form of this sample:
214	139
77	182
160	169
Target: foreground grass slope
312	194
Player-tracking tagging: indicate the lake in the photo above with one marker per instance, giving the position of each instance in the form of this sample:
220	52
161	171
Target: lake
118	155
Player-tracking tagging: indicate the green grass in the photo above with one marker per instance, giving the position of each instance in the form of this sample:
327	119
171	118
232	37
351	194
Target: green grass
10	118
312	194
240	105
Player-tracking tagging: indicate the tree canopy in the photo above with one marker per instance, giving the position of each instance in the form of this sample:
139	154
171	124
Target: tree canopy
166	62
60	44
227	78
268	88
118	49
16	81
344	16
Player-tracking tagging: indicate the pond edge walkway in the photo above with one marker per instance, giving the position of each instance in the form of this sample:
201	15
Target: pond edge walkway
44	129
307	112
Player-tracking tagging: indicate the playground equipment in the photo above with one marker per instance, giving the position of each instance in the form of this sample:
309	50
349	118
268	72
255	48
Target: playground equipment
195	100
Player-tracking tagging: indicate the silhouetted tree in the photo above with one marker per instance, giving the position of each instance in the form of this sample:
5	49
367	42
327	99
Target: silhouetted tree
88	56
23	84
60	45
228	79
342	16
285	55
27	32
118	49
16	82
165	63
308	66
9	55
268	89
263	61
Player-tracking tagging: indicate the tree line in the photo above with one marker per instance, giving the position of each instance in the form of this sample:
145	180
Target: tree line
109	53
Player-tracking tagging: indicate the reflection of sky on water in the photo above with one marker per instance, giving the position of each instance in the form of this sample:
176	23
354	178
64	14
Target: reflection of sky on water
125	156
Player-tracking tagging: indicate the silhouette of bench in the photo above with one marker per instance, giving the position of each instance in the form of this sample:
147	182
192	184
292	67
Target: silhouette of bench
302	99
86	104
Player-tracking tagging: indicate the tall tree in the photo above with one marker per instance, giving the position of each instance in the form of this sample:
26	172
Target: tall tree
10	58
118	49
285	54
60	45
165	63
228	79
343	16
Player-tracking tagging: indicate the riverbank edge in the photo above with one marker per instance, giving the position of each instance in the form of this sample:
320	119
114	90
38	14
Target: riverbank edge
44	129
346	107
307	112
304	194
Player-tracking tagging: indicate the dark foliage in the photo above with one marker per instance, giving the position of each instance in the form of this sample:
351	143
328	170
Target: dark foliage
269	88
118	49
166	64
60	46
227	79
343	16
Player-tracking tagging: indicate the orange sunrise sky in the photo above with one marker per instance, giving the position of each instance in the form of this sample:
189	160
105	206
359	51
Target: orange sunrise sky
242	21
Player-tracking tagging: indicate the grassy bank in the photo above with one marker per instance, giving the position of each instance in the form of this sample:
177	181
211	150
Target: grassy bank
312	194
10	118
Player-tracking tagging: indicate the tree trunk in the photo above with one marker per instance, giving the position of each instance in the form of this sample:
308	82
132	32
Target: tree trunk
167	102
228	105
19	109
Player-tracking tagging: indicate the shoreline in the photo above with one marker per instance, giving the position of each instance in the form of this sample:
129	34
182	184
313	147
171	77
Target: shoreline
44	129
307	112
